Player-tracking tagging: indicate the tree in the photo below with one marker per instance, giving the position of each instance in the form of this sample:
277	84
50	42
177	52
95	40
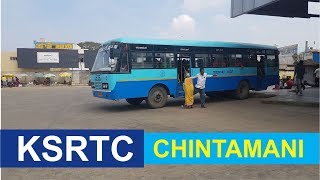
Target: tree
89	45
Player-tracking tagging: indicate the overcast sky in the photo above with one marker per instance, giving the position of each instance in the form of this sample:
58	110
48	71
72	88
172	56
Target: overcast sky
24	21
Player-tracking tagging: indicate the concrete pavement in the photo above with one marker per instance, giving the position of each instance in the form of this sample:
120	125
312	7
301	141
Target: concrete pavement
310	97
75	108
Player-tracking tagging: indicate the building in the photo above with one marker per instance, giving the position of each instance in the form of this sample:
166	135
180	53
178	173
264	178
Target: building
311	63
47	57
281	8
287	58
9	64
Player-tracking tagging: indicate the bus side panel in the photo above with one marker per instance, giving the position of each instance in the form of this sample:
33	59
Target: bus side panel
228	83
136	84
134	89
225	79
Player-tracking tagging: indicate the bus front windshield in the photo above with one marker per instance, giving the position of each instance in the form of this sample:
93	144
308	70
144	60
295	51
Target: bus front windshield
103	62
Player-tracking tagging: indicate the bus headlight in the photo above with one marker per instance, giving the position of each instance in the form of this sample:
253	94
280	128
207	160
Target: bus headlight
104	85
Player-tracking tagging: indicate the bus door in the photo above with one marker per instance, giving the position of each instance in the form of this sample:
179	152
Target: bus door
183	65
261	72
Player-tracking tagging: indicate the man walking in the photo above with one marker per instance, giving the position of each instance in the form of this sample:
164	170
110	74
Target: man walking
298	74
201	84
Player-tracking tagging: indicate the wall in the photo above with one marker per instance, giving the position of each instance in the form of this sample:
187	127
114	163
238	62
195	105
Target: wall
309	74
11	66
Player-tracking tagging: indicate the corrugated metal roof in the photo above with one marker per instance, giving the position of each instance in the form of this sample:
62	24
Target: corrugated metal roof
191	43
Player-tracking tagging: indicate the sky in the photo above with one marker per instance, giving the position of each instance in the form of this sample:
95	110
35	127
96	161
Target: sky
23	21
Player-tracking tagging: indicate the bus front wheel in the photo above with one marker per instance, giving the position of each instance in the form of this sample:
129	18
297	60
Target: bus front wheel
157	97
134	101
243	90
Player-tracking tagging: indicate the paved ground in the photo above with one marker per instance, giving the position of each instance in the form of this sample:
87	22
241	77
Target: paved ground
310	97
75	108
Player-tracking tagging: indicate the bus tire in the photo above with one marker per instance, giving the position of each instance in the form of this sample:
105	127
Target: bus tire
134	101
242	92
157	97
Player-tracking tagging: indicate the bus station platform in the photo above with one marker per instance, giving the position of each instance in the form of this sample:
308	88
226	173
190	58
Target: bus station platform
310	97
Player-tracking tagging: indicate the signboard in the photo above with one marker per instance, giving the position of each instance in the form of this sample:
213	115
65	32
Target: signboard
47	57
53	45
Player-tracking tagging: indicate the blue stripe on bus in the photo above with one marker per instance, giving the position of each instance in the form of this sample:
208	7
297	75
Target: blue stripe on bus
272	71
140	81
135	89
166	74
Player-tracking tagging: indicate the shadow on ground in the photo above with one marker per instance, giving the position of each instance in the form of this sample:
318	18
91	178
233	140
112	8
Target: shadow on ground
123	106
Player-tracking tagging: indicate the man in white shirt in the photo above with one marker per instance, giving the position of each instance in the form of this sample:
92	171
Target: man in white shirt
201	85
316	72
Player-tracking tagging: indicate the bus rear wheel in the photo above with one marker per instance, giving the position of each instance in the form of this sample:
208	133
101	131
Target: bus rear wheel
243	90
157	97
134	101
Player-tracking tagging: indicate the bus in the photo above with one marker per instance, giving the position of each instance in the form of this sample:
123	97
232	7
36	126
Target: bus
153	70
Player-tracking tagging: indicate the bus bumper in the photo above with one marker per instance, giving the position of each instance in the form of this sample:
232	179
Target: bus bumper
105	94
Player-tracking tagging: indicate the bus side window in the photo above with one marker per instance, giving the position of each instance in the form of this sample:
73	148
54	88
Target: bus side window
208	62
232	60
271	61
222	62
239	60
164	60
169	58
252	62
217	60
249	60
158	60
226	60
199	60
142	60
137	60
124	66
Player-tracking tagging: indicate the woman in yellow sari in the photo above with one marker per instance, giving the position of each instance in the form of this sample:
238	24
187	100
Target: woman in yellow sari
188	91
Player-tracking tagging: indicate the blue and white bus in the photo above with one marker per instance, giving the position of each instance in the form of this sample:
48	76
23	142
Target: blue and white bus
152	70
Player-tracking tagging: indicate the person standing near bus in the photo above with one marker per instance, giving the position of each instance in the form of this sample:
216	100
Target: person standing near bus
298	75
188	91
200	86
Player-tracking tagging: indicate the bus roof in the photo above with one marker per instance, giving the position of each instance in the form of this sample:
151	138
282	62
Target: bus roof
191	43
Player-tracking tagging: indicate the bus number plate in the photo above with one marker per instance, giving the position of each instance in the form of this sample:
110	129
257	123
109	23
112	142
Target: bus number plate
100	94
